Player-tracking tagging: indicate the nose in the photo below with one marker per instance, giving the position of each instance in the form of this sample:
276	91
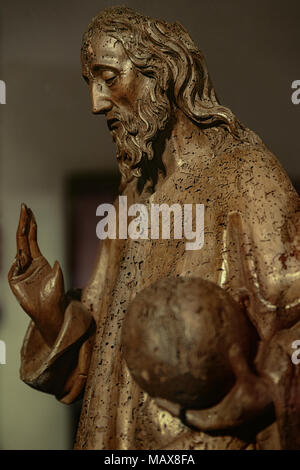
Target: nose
101	102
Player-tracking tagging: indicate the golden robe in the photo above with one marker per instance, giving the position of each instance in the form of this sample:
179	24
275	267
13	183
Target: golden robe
251	246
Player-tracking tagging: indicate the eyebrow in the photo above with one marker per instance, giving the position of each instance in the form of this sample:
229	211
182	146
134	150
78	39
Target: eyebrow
104	66
99	67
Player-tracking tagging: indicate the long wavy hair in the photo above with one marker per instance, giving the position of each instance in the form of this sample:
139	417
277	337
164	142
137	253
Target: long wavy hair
167	53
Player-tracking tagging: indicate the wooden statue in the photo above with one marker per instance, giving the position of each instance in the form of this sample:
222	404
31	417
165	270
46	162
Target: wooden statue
173	348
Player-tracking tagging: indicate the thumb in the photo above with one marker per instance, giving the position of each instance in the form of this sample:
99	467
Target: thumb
54	281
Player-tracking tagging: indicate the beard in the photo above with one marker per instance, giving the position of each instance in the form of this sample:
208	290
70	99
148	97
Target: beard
137	131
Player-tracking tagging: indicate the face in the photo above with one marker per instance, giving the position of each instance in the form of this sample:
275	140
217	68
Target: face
115	85
128	98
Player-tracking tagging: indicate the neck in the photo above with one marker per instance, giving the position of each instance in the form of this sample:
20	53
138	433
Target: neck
180	141
186	139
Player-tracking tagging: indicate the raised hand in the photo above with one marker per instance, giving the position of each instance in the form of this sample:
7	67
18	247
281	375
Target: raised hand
38	287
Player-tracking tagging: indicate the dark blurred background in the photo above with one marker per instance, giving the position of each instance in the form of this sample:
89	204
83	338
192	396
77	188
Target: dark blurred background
59	159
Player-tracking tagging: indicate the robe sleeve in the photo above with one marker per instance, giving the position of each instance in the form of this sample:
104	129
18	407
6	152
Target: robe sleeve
263	241
62	369
263	233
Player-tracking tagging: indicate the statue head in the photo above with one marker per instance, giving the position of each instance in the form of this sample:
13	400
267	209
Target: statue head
140	70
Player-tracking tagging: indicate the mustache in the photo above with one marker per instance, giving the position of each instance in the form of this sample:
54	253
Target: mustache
126	119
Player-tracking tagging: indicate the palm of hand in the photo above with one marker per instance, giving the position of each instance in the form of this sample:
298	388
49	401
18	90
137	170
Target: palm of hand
38	288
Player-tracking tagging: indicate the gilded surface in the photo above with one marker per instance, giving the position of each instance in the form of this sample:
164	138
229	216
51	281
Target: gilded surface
175	144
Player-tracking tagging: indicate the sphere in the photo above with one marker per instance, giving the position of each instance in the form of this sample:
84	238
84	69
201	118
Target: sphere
176	337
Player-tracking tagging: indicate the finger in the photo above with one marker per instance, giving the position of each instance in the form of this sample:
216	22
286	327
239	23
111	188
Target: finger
14	270
204	420
169	406
224	415
22	233
32	236
57	281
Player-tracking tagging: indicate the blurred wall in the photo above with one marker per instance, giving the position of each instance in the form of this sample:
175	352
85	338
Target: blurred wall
47	132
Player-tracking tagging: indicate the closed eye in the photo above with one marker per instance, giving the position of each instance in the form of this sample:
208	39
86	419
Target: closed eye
109	76
110	81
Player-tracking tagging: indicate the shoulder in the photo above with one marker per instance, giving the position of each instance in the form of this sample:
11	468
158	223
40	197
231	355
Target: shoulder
253	172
